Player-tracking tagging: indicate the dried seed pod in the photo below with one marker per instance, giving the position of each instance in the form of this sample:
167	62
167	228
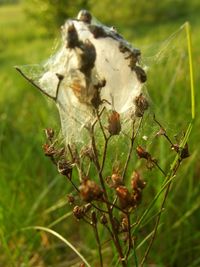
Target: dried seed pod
114	124
90	190
49	132
142	153
70	199
94	217
78	212
84	16
136	182
124	196
103	219
124	224
65	167
72	37
141	104
117	180
49	150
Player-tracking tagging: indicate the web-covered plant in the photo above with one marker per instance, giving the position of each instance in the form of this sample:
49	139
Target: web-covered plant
97	80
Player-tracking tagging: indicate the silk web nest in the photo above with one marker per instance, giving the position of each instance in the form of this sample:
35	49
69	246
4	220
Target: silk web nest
94	68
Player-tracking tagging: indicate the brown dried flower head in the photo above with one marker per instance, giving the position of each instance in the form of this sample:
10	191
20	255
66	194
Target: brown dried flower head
141	104
142	153
89	190
125	198
136	182
114	124
78	212
49	150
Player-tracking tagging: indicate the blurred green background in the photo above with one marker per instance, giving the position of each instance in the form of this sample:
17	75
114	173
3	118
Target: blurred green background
31	191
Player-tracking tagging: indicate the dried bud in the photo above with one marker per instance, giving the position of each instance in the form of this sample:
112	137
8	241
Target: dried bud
141	104
65	167
49	132
142	153
84	16
124	224
78	212
49	150
82	265
59	76
87	151
185	152
70	199
90	190
94	217
114	124
124	196
117	179
103	219
136	182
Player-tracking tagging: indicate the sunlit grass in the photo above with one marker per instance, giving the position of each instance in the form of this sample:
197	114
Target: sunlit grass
29	185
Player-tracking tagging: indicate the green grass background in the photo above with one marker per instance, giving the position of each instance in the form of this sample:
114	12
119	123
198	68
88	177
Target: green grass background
31	191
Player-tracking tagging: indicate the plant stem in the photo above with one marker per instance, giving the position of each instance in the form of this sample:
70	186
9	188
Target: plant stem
130	151
159	215
100	170
98	242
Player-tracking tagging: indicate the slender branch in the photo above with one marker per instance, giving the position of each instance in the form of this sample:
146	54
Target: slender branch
98	167
159	215
158	166
34	84
130	150
98	242
130	243
115	206
164	134
99	209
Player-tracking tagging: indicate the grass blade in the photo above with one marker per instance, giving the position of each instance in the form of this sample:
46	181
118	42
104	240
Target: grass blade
54	233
